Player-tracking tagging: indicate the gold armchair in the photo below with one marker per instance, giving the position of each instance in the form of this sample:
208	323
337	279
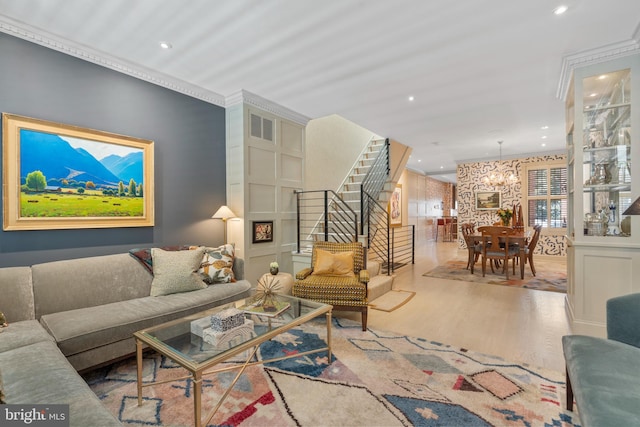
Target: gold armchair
337	276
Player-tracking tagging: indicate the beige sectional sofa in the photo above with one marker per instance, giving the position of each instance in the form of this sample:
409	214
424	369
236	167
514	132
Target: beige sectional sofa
72	315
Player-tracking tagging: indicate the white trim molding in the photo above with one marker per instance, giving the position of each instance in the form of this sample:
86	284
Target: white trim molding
594	56
51	41
246	97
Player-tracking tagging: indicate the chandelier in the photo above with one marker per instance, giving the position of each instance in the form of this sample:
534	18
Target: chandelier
497	177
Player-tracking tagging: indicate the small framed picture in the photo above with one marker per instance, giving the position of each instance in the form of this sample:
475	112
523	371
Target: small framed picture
488	200
395	207
262	231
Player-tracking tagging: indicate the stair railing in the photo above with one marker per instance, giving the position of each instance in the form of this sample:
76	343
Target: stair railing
374	182
377	231
403	243
322	215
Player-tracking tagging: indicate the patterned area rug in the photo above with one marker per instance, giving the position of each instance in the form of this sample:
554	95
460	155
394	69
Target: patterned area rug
550	276
374	379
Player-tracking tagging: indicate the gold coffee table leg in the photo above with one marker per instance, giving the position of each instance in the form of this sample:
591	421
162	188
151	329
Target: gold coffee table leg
197	397
329	335
139	369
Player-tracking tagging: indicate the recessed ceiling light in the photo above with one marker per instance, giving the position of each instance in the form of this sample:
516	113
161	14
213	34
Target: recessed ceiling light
419	160
544	137
165	45
544	127
411	98
560	10
441	167
602	77
593	95
543	144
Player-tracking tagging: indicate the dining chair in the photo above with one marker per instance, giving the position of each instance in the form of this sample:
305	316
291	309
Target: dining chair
531	247
496	247
468	229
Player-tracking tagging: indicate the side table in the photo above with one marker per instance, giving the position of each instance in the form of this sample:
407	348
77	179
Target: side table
285	279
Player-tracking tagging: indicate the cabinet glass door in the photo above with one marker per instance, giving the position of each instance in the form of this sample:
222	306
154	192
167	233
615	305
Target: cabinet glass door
606	152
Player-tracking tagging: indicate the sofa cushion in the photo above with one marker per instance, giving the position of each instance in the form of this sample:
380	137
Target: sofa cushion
83	329
15	287
175	272
85	282
217	264
604	376
39	374
2	398
20	334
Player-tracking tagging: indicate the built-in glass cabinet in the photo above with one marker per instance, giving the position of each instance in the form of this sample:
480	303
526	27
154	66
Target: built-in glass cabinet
600	154
603	164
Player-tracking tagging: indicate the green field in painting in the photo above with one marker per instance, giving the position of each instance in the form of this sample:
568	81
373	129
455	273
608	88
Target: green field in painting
89	204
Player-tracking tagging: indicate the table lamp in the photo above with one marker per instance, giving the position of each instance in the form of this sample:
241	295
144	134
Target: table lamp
224	213
634	209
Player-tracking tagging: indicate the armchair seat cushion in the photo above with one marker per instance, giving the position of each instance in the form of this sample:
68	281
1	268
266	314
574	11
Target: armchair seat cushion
604	376
334	290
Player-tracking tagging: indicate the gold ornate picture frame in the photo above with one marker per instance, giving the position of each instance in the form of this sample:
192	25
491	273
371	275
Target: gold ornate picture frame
58	176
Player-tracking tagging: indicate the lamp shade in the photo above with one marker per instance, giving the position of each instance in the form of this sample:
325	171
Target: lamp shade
223	213
634	209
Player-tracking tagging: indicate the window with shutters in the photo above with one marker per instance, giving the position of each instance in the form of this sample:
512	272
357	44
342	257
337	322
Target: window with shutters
546	195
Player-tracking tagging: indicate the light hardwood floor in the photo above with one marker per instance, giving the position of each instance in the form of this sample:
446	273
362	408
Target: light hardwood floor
520	325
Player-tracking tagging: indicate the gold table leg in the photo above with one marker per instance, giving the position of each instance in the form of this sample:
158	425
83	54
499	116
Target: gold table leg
139	369
329	335
197	397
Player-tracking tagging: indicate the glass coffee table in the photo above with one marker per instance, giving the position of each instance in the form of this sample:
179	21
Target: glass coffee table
176	341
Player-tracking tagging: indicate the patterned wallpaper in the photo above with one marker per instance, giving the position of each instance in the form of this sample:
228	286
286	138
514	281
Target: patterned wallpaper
469	177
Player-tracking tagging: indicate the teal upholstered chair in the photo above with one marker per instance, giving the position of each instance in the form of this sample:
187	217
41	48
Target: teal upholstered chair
603	374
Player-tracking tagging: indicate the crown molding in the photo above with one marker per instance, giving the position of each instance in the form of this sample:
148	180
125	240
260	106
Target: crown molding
51	41
248	98
594	56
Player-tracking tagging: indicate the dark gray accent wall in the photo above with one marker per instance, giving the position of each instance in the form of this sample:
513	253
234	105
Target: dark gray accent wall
189	137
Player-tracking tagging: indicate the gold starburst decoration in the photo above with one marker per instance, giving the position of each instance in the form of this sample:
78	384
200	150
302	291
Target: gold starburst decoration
265	296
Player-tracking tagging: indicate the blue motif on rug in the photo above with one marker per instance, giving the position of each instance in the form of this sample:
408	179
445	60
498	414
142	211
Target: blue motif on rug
435	414
292	342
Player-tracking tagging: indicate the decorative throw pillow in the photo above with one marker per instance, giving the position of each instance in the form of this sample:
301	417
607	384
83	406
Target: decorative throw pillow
176	271
143	255
217	264
329	264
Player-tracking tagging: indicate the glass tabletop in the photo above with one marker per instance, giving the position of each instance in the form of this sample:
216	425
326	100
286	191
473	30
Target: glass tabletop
177	339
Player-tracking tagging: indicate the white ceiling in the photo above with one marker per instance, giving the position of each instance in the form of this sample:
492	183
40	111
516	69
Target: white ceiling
480	70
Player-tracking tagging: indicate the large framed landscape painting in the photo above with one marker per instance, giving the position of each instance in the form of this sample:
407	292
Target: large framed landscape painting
58	176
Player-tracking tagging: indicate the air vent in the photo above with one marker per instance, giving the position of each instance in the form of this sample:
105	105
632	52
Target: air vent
261	127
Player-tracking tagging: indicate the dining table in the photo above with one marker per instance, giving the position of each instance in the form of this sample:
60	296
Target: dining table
520	237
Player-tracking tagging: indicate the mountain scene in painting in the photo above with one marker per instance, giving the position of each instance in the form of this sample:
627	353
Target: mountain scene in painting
57	159
58	180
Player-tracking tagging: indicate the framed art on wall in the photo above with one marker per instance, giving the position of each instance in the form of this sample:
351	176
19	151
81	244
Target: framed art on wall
395	207
59	176
262	231
488	200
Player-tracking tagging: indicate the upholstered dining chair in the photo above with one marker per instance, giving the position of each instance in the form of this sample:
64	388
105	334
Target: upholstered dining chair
531	247
337	276
496	246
